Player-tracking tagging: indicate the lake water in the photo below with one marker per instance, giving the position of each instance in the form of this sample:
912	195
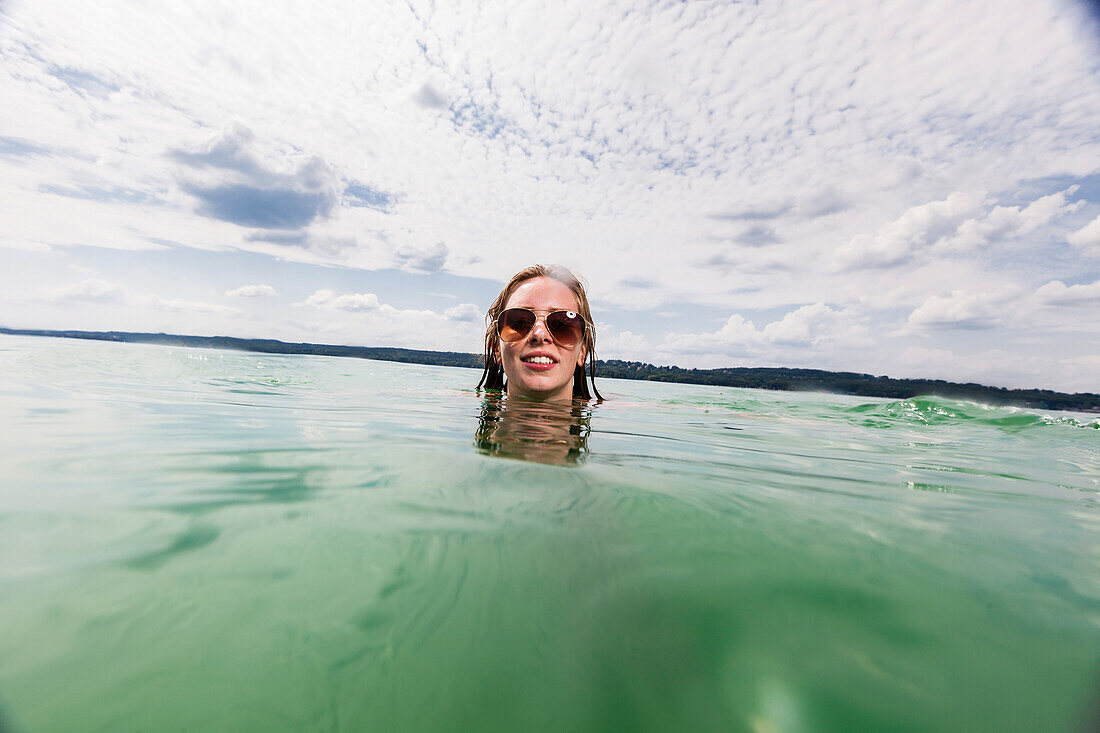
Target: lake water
211	540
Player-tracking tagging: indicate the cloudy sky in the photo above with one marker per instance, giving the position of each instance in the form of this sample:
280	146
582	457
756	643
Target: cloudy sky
901	188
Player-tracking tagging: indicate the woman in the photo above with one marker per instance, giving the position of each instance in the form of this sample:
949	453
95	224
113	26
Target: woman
538	335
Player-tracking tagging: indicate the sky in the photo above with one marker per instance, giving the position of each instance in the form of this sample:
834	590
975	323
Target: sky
899	188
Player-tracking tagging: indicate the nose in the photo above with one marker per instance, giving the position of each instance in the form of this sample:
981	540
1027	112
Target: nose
539	333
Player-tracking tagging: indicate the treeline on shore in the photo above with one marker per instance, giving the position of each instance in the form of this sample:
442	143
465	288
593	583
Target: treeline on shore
867	385
774	378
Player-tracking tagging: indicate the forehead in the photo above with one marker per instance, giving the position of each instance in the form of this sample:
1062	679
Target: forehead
542	293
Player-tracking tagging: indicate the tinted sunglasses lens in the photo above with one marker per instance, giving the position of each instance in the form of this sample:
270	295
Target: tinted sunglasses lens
515	323
566	327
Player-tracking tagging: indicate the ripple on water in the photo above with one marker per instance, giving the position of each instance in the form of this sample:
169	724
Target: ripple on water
224	539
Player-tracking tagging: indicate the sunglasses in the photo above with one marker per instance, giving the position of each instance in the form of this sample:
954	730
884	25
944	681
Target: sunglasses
566	327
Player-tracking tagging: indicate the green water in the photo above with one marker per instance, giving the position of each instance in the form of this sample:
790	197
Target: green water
207	540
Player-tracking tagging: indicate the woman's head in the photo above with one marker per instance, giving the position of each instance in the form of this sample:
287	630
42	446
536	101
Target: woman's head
537	363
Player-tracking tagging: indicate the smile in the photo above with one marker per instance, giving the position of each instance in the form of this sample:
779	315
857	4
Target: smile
538	360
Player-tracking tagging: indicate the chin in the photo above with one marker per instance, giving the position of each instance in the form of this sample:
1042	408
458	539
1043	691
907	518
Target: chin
541	387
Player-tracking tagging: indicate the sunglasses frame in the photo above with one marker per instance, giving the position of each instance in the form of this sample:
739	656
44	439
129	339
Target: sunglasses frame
543	315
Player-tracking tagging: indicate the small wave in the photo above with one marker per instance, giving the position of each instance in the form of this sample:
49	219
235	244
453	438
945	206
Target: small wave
933	410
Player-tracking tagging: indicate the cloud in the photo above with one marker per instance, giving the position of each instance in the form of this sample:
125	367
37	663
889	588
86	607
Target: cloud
13	147
83	82
179	305
737	337
1002	222
625	345
348	301
917	229
745	262
478	118
1045	209
257	207
960	310
464	312
422	259
247	192
1057	293
360	194
110	194
756	236
228	150
289	239
1087	238
959	223
92	290
428	97
926	361
810	327
97	291
1081	373
363	319
252	291
823	203
803	326
756	212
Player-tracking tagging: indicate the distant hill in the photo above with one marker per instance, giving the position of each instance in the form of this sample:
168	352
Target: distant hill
777	378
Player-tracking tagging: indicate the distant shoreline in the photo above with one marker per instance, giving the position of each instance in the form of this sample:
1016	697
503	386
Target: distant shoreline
774	378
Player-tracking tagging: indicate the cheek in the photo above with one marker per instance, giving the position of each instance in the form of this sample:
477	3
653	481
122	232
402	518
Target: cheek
507	355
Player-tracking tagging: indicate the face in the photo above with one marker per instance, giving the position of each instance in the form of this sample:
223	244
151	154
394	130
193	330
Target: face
531	379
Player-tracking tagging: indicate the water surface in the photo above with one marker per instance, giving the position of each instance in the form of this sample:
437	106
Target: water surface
199	539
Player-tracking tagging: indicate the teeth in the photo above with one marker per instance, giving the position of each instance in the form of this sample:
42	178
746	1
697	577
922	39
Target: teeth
539	360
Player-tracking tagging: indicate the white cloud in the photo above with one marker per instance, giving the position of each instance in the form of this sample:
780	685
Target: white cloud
421	329
347	301
996	366
1087	238
625	345
10	243
95	290
252	291
179	305
1012	221
1081	373
917	229
1046	208
925	361
802	327
464	312
958	224
737	337
808	329
1057	293
422	259
92	290
961	310
363	319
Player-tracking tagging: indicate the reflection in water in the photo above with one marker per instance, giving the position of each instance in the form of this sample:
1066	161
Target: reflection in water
543	432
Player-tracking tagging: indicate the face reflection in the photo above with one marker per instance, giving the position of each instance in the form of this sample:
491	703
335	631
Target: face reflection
534	380
543	432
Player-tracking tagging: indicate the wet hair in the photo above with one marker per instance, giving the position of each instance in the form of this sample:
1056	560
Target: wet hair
493	375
